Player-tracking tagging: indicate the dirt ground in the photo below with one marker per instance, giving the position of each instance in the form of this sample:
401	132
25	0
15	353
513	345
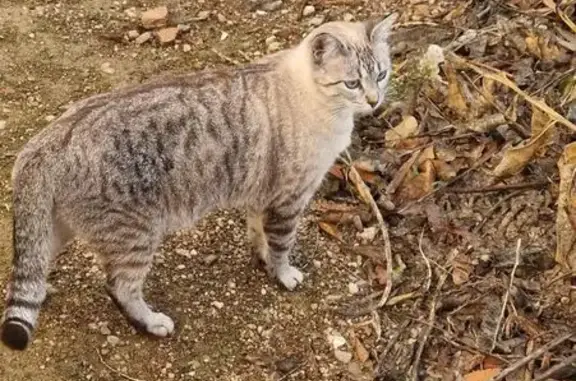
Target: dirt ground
232	323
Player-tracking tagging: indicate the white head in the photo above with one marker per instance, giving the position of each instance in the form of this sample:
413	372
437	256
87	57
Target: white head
351	62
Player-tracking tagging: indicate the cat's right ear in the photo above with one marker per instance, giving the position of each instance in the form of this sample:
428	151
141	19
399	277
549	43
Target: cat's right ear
325	46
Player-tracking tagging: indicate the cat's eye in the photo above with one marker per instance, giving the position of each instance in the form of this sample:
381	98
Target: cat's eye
382	75
352	84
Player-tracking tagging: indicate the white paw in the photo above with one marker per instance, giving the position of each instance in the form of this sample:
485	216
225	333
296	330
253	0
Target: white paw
289	276
160	325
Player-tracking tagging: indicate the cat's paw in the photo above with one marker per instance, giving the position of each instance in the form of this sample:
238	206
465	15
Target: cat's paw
289	276
159	324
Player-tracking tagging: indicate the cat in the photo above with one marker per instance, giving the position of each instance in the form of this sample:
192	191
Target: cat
123	169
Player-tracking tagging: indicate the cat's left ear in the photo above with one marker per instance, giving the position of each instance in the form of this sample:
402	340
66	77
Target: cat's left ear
379	29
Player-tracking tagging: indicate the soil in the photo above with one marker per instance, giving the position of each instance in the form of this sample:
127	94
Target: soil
232	322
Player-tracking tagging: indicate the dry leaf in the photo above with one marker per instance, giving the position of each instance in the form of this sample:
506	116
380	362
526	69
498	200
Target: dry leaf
499	76
407	128
565	234
552	5
336	171
444	171
492	363
461	269
456	100
419	185
482	375
487	123
426	154
330	229
360	352
360	186
516	158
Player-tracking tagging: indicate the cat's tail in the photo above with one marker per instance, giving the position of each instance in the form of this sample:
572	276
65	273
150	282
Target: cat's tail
33	204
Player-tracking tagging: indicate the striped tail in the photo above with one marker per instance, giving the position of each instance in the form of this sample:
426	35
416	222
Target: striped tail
33	240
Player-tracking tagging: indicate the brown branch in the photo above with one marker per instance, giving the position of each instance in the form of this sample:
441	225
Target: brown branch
537	353
499	188
569	361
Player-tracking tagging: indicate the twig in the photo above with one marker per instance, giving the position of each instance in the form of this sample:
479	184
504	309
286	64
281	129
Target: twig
569	361
367	196
507	295
427	261
225	57
116	371
499	188
537	353
493	209
428	328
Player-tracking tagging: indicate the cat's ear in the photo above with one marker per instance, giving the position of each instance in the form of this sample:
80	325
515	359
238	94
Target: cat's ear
379	29
325	46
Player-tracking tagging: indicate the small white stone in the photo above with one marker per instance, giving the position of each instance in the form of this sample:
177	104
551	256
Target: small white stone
223	36
133	34
343	356
186	48
180	267
221	17
144	37
107	68
217	304
348	17
203	15
353	288
113	340
316	21
104	330
308	10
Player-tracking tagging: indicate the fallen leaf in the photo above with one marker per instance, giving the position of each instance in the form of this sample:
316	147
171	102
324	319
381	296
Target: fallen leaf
491	362
456	100
444	171
362	188
406	128
482	375
360	351
565	234
552	5
336	171
516	158
487	123
330	229
426	154
419	185
461	269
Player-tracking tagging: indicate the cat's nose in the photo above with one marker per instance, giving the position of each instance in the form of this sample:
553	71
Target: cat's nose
372	99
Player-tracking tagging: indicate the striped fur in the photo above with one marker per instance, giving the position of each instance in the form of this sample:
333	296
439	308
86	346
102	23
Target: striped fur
123	169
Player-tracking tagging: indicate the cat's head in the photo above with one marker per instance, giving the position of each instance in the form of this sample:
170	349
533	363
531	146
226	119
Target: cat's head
351	62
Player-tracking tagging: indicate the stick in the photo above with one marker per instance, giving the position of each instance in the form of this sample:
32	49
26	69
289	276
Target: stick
557	368
429	279
498	188
507	295
537	353
367	196
116	371
225	57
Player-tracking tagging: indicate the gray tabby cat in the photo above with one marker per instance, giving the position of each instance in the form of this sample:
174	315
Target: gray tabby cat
122	170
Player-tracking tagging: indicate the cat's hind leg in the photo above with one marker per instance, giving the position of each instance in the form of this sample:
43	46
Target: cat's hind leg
127	262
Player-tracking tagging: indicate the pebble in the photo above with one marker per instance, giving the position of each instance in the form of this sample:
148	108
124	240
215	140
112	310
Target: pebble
203	15
144	37
348	17
113	340
104	330
353	288
221	17
184	28
210	259
272	6
343	356
167	35
107	68
93	326
131	12
316	21
183	252
368	234
186	48
308	10
49	118
217	304
133	34
155	17
2	124
180	267
223	36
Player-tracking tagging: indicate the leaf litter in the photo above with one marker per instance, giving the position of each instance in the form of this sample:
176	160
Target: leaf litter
474	160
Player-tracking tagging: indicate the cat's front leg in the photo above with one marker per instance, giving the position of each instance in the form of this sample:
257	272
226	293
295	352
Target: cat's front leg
279	225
